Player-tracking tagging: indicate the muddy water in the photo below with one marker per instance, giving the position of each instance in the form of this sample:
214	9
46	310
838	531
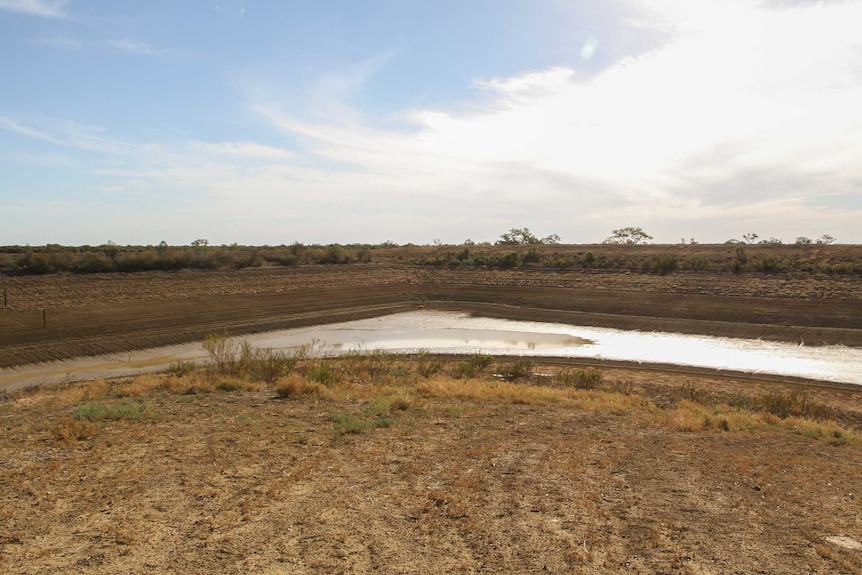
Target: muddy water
446	332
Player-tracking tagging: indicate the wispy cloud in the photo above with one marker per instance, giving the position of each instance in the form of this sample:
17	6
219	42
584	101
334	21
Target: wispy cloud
124	45
128	45
131	46
68	134
46	8
13	126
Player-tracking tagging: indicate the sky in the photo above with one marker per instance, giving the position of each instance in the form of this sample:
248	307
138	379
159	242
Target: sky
425	121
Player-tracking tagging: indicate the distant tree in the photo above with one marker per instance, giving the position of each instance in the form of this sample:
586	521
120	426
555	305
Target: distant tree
552	239
750	238
825	240
200	243
630	236
518	237
803	240
469	242
771	241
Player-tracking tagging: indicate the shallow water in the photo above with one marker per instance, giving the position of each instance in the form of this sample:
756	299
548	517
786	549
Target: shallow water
448	332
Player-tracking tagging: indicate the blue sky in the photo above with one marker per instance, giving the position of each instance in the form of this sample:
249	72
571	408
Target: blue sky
413	121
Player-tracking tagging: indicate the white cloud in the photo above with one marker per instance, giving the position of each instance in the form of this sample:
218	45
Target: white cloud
738	89
50	8
18	128
745	118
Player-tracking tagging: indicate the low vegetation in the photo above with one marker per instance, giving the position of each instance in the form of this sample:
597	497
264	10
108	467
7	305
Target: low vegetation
626	249
366	390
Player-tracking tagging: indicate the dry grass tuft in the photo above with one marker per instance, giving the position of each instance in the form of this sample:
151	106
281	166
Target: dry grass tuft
295	387
71	429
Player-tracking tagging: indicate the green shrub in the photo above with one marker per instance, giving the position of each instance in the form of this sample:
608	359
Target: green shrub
697	263
222	351
426	367
182	368
268	365
579	378
769	264
532	256
740	259
796	404
510	260
472	367
520	369
322	373
665	265
228	386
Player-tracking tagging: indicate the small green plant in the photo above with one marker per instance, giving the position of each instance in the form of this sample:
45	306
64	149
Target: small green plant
368	366
222	351
427	366
268	365
796	404
346	423
182	368
472	367
96	411
228	386
579	378
90	411
520	369
322	373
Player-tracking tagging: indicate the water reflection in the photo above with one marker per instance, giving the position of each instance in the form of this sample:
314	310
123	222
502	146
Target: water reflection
447	332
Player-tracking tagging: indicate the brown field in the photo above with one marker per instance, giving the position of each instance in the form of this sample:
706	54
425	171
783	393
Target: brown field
390	471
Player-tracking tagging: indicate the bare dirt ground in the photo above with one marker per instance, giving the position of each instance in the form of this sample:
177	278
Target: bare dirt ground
239	481
244	482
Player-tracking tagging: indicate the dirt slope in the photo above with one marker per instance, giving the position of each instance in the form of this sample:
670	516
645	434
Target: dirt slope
60	316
